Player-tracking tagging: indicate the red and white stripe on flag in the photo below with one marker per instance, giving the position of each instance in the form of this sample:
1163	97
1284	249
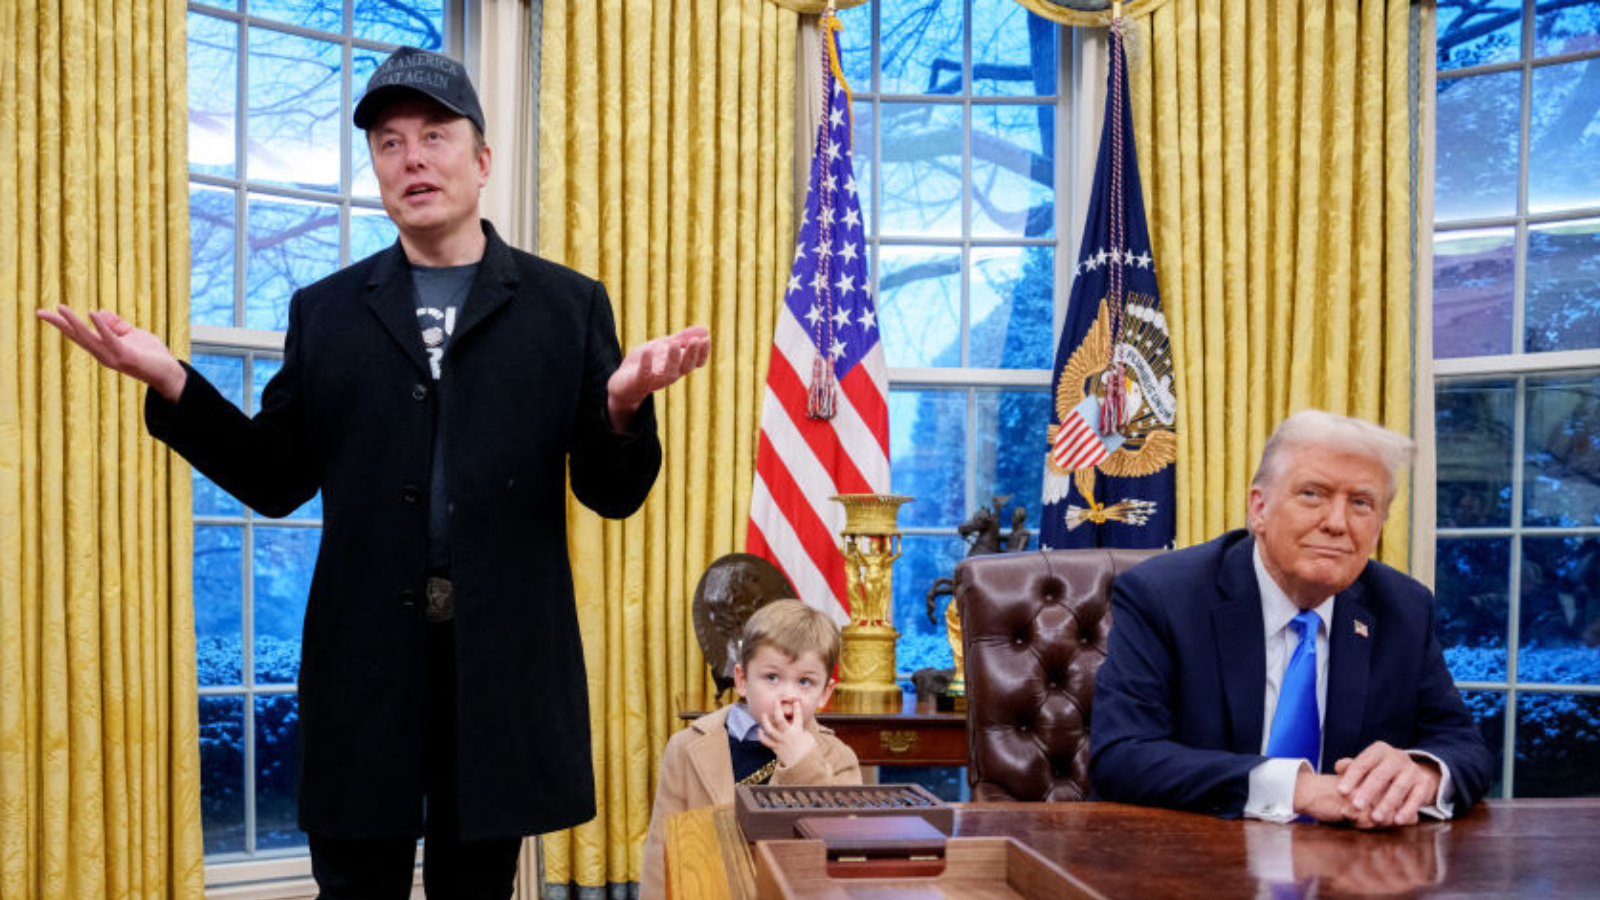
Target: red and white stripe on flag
1078	445
801	462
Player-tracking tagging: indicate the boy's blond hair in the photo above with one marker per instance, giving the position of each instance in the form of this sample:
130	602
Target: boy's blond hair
792	628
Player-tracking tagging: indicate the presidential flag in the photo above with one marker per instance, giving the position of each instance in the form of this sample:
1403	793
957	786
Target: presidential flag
1108	478
825	415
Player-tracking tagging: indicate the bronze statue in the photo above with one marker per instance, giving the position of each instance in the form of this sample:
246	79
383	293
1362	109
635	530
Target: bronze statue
1017	540
733	587
982	534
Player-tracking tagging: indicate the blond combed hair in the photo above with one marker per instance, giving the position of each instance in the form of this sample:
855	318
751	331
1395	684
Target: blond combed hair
792	628
1315	427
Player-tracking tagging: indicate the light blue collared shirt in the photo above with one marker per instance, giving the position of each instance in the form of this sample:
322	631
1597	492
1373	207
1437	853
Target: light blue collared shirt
741	725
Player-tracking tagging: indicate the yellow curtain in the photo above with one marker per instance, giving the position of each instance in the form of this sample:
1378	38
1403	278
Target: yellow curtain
665	169
1277	144
99	747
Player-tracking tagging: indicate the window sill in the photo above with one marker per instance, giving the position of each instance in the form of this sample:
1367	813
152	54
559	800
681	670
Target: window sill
286	878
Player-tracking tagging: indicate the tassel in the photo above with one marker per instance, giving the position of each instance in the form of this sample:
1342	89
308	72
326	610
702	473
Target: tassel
1115	405
819	399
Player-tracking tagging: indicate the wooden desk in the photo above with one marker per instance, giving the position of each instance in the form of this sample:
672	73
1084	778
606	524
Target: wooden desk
916	736
1516	848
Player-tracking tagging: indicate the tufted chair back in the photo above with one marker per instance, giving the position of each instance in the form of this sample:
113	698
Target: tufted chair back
1034	628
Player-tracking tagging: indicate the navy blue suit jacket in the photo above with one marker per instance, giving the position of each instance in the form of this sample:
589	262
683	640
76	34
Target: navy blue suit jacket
1178	703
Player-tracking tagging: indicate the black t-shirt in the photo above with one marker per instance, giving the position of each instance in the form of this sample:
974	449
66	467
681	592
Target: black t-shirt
441	292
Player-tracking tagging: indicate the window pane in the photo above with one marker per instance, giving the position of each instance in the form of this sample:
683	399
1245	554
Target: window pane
921	170
1474	590
1478	32
1013	51
226	374
923	558
1564	137
1558	745
370	232
1476	141
291	243
1562	457
277	771
213	94
1012	296
363	183
920	47
1488	708
283	559
1565	27
211	253
294	111
919	306
926	436
863	126
1560	611
418	23
1473	428
219	604
222	774
1564	286
1473	273
324	15
855	47
1013	171
1010	449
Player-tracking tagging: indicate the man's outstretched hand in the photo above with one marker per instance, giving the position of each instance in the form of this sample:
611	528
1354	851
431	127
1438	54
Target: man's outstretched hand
122	347
652	366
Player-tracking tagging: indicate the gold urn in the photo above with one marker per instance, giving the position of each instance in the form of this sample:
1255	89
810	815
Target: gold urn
870	543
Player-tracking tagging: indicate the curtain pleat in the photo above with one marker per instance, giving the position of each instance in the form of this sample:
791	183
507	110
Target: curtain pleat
99	745
1277	144
665	148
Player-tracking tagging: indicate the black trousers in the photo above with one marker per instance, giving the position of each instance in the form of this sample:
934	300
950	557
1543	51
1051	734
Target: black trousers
452	869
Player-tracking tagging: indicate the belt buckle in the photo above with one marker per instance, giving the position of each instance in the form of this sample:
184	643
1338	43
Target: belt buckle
441	600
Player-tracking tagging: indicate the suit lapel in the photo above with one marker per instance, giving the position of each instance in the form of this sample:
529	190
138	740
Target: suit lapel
1241	646
1349	664
713	762
392	298
495	283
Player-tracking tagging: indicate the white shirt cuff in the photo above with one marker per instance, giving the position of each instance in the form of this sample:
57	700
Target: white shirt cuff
1271	796
1443	806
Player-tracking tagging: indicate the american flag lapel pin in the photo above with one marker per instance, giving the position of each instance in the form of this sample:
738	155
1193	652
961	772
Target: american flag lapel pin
1361	629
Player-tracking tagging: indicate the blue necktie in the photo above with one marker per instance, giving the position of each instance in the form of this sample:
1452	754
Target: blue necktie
1296	727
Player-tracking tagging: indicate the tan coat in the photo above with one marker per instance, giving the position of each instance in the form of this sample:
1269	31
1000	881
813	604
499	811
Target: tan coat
697	771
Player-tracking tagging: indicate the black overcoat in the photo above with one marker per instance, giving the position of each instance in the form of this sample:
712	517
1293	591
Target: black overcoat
521	403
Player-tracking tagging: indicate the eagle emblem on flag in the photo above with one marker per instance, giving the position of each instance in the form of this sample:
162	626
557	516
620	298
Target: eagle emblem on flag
1145	443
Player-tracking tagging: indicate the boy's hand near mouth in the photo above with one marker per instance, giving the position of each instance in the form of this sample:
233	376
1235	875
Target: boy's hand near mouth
786	734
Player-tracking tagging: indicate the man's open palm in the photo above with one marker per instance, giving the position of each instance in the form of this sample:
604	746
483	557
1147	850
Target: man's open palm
122	347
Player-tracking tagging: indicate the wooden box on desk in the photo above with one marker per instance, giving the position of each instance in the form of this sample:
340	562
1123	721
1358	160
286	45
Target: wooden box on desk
769	812
973	868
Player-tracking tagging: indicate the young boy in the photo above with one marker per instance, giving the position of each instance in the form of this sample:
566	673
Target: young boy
785	671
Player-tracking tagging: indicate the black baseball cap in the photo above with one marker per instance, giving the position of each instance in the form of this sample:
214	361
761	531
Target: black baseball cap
416	71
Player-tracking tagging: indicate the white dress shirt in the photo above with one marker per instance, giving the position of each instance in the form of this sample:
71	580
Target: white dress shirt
1272	782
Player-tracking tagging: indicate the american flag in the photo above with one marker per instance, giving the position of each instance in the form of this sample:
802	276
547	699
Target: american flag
825	416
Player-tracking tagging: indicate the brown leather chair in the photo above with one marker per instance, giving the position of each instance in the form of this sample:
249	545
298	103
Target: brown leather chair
1034	628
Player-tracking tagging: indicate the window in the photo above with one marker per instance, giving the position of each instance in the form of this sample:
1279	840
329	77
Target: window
956	154
1516	309
281	193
